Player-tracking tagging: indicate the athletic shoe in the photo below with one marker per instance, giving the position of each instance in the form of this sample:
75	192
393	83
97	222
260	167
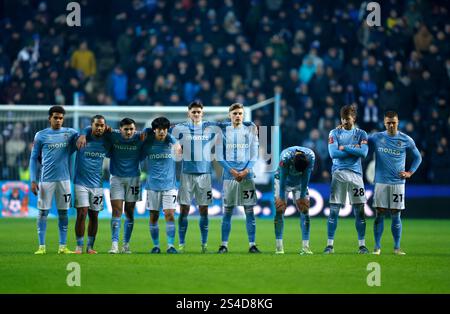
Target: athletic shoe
363	250
114	249
328	250
399	252
41	250
181	248
204	248
155	250
91	251
253	249
222	249
279	250
125	249
64	250
171	250
376	252
306	251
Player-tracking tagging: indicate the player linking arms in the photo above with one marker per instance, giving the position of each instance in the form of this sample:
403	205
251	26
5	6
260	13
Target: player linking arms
126	145
347	145
89	184
391	147
241	152
195	138
293	175
53	146
161	181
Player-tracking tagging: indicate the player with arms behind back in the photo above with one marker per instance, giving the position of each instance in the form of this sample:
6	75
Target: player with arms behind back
52	147
391	147
89	183
292	175
347	145
240	144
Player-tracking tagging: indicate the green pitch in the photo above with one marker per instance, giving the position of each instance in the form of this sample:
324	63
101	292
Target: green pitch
425	268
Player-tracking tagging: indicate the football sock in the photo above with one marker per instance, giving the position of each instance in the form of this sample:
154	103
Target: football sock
115	229
396	228
226	223
154	233
360	222
378	228
305	225
91	240
279	225
128	229
250	223
182	227
203	223
332	221
80	241
170	232
279	243
63	222
42	226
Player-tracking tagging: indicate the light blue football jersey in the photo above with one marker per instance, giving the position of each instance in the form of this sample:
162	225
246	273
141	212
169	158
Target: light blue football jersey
160	162
239	149
288	175
52	149
89	162
350	157
390	156
197	142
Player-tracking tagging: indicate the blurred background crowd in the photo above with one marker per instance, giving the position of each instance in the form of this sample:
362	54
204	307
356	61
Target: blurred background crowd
320	55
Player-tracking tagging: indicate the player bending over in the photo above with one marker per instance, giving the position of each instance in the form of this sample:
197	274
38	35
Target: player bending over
292	175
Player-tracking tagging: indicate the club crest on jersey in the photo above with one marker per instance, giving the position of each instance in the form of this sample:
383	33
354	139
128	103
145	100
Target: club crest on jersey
399	143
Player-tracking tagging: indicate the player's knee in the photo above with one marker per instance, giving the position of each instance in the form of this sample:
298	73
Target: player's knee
93	215
154	217
334	210
169	214
358	209
248	210
82	212
43	213
203	210
184	210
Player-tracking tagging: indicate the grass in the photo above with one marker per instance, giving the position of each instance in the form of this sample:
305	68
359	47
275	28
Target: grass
425	268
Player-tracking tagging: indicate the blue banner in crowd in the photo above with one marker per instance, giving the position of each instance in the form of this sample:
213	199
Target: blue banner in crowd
430	201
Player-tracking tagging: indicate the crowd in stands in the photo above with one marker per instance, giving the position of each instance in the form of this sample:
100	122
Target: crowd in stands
320	55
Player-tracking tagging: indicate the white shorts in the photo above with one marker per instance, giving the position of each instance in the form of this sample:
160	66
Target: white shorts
61	189
88	197
296	191
345	182
390	196
127	189
196	186
156	199
239	193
